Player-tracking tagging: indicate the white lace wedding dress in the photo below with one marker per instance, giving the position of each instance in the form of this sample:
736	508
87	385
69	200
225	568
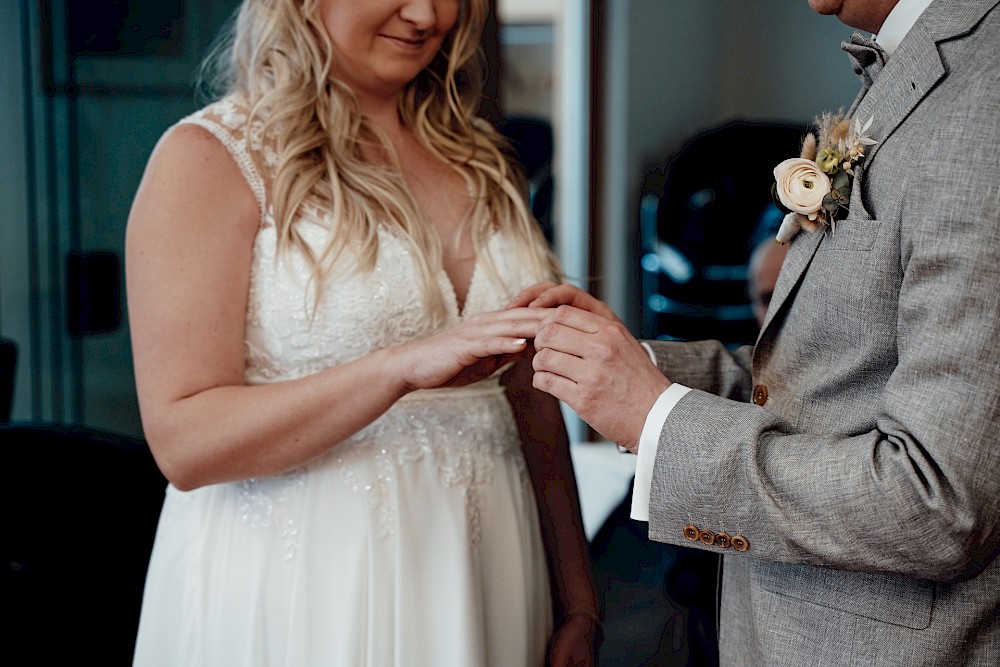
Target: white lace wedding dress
413	544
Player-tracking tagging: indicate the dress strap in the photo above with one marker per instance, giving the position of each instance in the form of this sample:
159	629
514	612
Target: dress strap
227	122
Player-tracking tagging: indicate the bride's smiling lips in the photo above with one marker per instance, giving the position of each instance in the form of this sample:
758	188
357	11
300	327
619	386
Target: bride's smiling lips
380	46
410	44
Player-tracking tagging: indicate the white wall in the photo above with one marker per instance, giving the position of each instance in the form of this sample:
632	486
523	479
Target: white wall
530	11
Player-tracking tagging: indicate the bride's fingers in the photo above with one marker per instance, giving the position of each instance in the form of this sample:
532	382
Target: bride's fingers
514	323
480	341
502	345
529	294
558	295
570	295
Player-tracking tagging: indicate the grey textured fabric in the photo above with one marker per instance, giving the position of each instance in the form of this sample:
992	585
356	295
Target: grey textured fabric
867	483
867	57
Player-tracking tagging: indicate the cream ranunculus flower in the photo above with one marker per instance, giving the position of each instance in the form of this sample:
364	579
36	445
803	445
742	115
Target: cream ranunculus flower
801	186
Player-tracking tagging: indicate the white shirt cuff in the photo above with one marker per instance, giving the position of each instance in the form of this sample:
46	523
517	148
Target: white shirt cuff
649	441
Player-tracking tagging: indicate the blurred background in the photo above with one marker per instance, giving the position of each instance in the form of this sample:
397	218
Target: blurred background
649	129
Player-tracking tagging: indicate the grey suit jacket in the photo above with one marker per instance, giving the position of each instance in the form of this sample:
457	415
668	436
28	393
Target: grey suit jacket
857	448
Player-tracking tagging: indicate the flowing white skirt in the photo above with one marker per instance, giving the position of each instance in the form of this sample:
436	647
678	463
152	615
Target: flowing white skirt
414	544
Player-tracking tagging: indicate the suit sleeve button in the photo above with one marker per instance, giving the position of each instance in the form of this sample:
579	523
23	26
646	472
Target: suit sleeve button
706	537
760	394
723	540
740	543
691	532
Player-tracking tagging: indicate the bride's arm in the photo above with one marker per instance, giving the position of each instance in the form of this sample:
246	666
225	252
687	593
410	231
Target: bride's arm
188	256
546	451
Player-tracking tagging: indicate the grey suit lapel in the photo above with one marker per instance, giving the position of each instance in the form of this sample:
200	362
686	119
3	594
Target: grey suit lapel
801	252
916	66
907	78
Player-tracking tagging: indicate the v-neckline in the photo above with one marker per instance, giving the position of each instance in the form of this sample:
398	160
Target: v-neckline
459	310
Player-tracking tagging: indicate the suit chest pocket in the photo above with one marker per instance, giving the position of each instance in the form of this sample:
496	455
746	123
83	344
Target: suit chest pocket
890	599
851	234
850	286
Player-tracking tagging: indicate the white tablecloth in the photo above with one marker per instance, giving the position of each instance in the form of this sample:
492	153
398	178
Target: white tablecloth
603	475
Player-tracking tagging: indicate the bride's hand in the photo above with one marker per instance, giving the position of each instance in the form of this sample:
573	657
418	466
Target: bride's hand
549	294
469	351
575	643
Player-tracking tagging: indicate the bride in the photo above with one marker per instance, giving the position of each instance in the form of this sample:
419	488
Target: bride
317	267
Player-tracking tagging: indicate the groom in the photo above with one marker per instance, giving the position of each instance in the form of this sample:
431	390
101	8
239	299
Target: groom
848	466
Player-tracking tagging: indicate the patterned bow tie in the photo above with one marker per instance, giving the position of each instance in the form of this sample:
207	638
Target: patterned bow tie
867	57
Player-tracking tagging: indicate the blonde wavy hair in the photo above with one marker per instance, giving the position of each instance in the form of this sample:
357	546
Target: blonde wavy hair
277	56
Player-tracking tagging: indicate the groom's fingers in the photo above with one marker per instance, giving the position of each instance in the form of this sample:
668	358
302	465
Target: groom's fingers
557	362
573	380
553	338
583	335
561	387
575	318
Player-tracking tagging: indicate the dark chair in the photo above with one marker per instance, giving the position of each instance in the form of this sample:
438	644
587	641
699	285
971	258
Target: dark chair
698	219
8	369
78	512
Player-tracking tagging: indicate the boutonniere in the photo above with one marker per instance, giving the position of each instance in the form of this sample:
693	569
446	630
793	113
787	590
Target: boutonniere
814	189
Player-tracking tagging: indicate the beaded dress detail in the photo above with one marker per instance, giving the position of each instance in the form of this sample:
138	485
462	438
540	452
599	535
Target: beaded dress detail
415	542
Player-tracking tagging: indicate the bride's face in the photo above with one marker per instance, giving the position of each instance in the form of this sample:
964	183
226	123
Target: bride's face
379	46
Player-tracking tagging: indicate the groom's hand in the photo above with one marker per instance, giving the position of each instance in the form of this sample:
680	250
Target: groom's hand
595	366
549	295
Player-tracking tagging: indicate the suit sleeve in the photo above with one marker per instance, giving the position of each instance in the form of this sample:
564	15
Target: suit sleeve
706	365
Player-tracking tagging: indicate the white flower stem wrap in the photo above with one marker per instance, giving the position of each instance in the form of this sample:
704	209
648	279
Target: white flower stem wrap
801	186
790	226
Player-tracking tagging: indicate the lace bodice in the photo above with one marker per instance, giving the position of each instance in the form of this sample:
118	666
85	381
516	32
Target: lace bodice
289	334
357	313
